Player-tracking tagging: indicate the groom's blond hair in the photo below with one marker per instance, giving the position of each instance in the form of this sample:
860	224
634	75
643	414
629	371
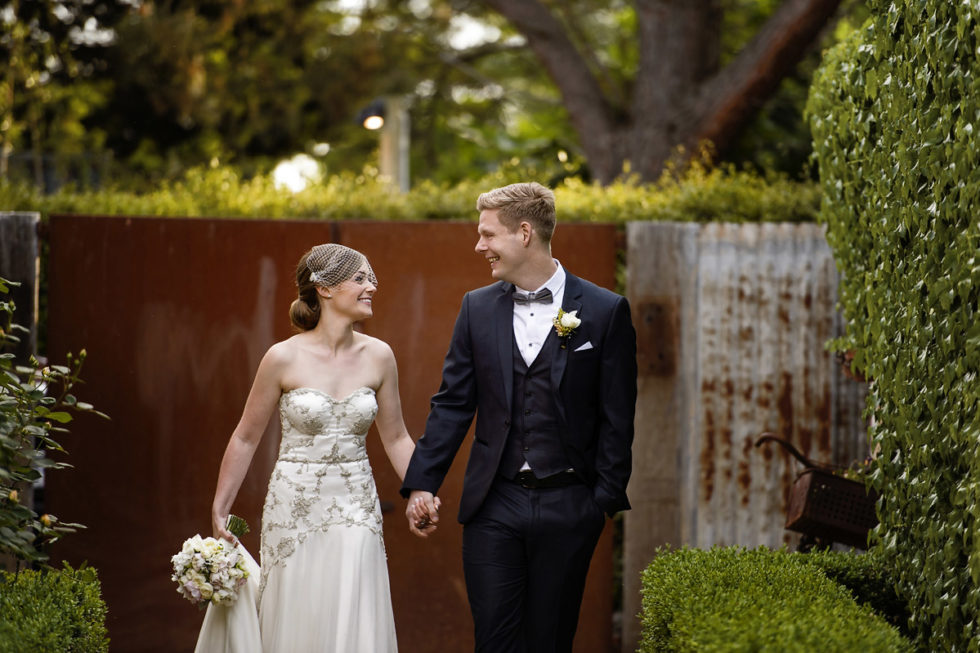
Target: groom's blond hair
525	202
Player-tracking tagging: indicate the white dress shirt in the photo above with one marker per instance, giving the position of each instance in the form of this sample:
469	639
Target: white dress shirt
533	322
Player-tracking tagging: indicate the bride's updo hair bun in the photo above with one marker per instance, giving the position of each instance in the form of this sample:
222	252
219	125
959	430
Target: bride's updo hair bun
304	312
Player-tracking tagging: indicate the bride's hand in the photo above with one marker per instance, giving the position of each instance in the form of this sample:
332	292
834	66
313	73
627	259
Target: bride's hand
220	530
422	512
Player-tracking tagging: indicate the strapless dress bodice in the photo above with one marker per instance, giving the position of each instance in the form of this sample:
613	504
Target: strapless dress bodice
321	429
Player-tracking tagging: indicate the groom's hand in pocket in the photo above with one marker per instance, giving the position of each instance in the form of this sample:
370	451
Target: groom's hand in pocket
422	512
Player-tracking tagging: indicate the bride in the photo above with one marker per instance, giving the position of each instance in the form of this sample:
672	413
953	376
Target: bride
324	580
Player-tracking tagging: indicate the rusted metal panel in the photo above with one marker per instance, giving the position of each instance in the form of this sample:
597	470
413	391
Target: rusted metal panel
766	298
754	306
175	315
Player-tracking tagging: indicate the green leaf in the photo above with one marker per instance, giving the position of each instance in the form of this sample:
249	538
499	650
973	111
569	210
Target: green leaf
60	417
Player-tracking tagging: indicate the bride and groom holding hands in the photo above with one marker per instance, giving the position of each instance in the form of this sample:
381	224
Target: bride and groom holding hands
545	362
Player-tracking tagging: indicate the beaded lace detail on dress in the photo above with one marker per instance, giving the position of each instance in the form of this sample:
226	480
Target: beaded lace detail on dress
322	478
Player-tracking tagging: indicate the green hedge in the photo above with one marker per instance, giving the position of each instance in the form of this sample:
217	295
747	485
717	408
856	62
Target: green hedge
52	610
696	195
868	580
733	600
893	112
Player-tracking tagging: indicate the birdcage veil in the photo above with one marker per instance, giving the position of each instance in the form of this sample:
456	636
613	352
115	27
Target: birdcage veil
332	264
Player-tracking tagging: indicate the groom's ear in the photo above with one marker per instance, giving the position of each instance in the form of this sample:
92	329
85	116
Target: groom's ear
526	230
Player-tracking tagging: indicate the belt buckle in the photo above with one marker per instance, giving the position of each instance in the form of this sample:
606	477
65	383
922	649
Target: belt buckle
527	480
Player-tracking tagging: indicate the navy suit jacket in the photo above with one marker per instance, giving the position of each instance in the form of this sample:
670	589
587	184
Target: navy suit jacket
594	392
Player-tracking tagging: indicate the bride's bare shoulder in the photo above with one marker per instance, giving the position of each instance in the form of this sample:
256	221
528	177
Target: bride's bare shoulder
285	351
375	347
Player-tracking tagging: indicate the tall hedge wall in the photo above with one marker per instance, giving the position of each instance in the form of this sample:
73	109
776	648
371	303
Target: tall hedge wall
893	112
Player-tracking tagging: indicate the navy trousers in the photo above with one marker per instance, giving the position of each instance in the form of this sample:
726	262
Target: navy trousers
525	558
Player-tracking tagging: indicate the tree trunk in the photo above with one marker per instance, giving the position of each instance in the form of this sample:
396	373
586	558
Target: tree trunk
680	95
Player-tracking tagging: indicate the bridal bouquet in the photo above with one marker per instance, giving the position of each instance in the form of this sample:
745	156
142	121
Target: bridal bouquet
207	570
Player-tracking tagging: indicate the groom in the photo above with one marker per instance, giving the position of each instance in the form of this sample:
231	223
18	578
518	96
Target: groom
554	426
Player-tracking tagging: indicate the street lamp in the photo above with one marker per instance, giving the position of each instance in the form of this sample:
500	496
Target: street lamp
389	116
372	116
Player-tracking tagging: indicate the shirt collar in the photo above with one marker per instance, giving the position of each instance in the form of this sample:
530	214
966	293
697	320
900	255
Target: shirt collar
555	284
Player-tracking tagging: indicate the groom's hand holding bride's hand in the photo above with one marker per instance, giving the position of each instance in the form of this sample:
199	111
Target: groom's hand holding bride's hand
422	512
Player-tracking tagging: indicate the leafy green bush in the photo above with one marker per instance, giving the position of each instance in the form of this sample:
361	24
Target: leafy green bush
733	599
52	610
696	194
893	112
34	401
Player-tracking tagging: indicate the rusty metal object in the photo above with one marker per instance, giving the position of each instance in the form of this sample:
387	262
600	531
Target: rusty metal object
825	505
831	508
793	451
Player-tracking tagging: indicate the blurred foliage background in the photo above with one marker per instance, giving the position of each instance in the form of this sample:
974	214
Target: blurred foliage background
129	94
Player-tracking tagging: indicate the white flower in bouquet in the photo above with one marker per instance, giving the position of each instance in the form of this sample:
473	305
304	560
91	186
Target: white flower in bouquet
207	570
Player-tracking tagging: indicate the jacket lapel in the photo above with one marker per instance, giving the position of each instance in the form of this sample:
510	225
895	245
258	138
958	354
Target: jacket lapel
570	302
503	317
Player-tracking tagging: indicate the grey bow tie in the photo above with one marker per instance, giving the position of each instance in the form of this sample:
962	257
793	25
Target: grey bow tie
543	296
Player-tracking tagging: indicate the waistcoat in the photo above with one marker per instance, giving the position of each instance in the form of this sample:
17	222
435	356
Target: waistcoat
533	434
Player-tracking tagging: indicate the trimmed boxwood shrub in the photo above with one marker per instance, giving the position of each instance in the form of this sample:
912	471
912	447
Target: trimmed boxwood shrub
894	112
697	194
867	579
52	610
734	599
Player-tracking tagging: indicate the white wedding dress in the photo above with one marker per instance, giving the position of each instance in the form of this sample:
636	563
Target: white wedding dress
323	584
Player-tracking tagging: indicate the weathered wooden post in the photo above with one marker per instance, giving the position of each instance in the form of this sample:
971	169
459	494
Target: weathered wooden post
20	262
658	281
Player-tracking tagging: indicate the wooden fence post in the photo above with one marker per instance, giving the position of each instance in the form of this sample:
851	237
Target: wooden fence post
660	287
20	262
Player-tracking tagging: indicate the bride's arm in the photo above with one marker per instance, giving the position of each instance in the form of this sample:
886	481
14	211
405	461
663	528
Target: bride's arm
259	407
397	442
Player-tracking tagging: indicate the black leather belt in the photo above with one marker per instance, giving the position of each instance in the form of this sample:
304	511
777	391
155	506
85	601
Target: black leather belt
528	480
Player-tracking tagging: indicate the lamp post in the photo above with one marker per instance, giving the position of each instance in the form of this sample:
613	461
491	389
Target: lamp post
390	118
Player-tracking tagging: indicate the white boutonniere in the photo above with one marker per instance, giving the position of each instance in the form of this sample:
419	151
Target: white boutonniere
566	323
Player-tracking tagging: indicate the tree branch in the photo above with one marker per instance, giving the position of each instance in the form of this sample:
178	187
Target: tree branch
485	50
614	92
474	74
583	98
726	101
